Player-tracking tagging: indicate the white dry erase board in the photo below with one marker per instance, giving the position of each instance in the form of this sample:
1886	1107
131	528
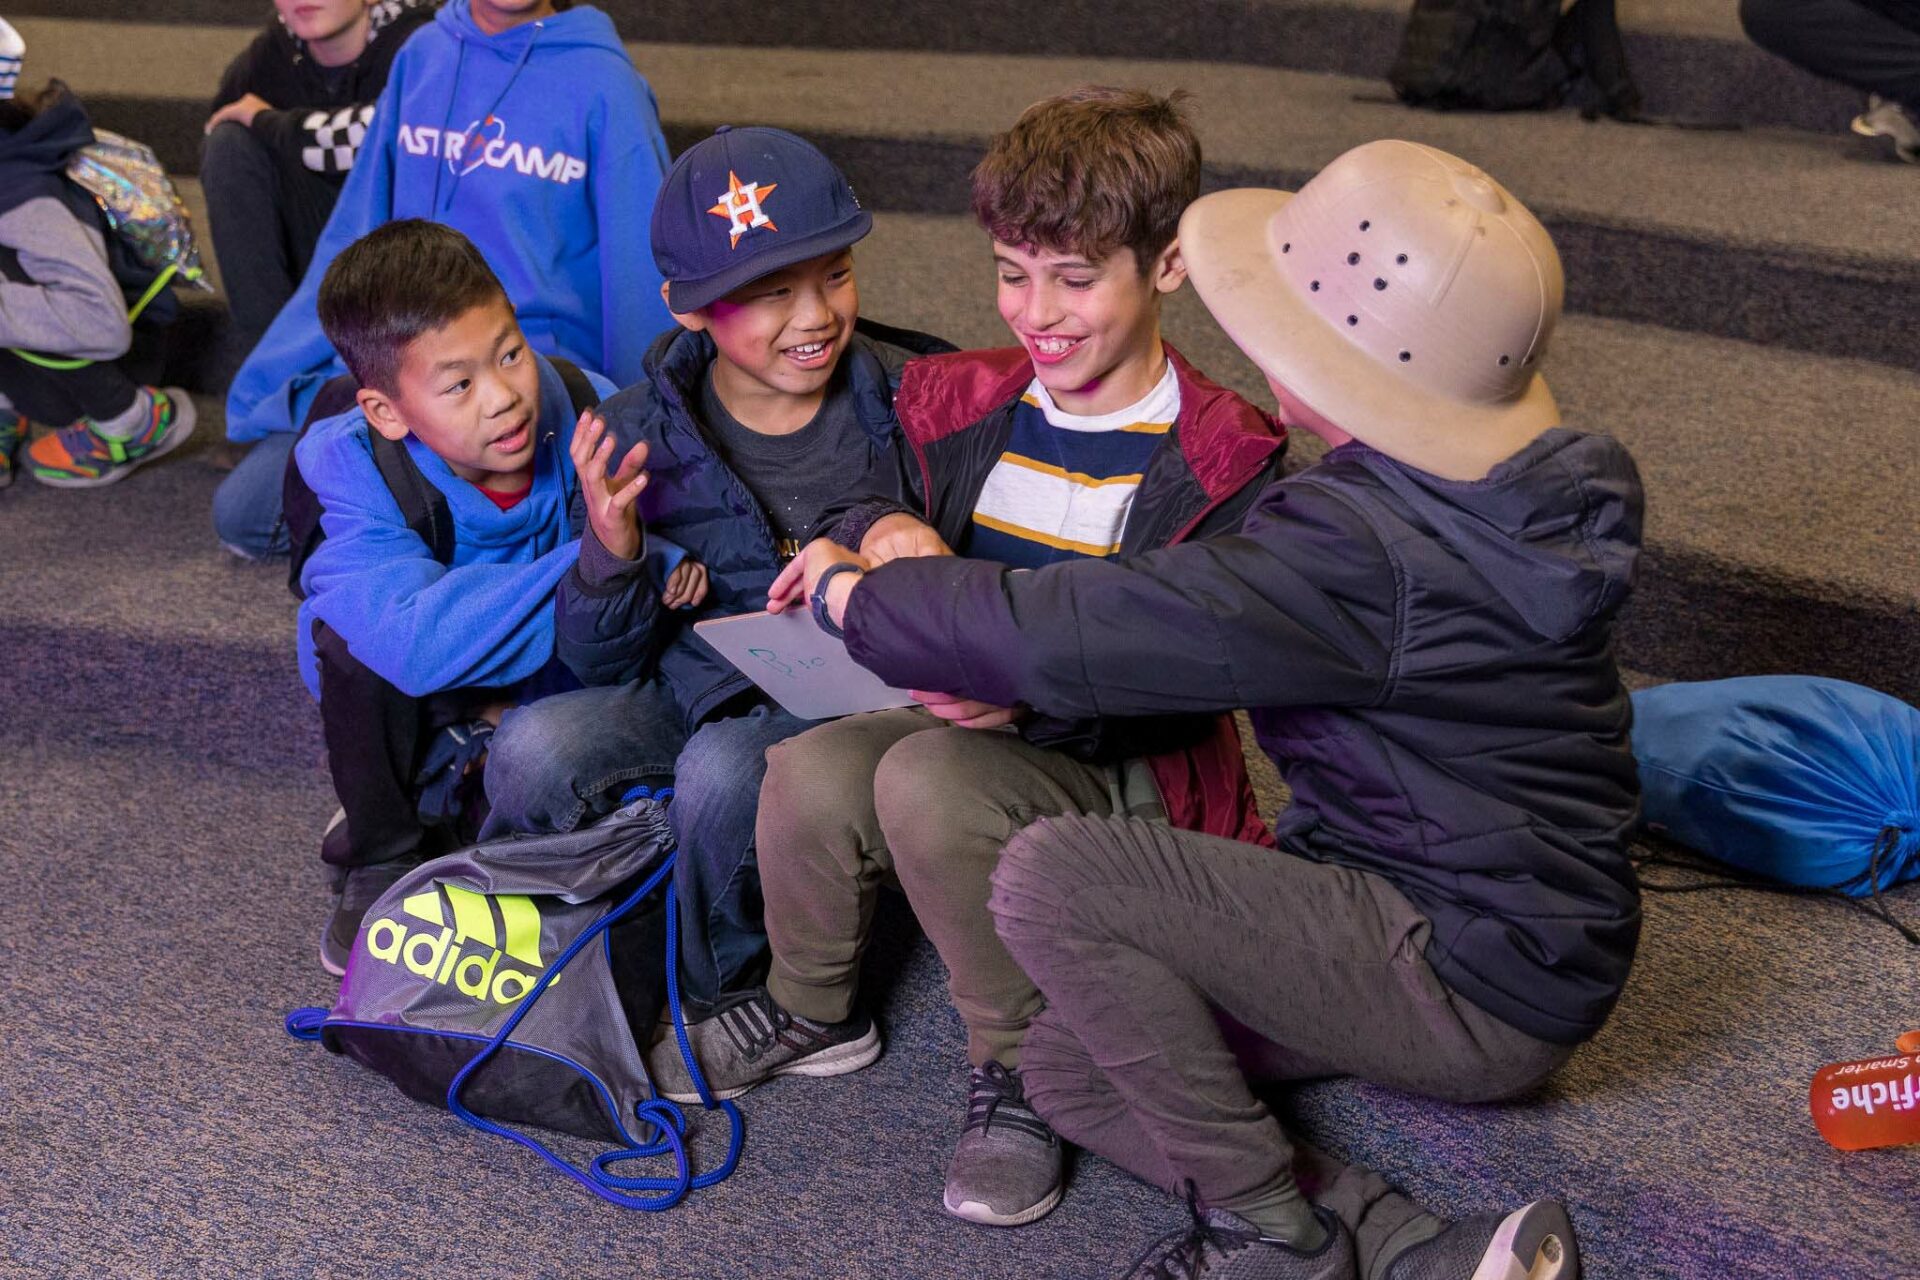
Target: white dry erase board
806	670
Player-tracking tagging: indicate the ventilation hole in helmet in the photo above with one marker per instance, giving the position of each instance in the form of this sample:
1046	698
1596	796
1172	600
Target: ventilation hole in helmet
1352	258
1405	356
1364	225
1378	283
1402	259
1353	319
1315	286
1287	247
1506	360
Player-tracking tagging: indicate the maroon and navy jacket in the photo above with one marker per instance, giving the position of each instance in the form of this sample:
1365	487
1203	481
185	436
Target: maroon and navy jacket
956	417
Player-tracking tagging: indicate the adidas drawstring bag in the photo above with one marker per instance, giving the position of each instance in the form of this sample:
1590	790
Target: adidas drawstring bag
506	982
1798	780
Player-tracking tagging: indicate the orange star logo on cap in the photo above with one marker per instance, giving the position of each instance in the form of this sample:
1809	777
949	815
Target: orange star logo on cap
740	206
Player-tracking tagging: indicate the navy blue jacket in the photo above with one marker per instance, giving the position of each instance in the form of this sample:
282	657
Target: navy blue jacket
1429	662
612	627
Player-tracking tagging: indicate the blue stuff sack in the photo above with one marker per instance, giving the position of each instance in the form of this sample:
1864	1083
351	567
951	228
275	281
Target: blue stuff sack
1796	779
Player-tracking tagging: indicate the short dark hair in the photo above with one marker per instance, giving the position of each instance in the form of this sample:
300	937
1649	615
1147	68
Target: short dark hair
1090	171
395	283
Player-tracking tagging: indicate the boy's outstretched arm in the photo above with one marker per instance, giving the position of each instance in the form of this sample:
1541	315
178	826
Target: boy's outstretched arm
1299	608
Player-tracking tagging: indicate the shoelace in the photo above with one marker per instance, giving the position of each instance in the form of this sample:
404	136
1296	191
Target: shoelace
753	1022
997	1097
1183	1251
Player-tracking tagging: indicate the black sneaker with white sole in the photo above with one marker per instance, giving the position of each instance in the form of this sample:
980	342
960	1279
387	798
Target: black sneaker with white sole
749	1039
1534	1243
1224	1246
360	888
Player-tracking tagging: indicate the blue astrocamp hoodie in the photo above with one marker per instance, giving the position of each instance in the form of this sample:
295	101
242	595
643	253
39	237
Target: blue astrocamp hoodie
486	619
542	145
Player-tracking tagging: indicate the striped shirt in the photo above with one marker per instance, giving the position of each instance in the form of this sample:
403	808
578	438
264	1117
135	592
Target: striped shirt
1064	485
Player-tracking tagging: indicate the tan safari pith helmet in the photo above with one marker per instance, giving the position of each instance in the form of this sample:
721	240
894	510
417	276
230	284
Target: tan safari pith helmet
1402	294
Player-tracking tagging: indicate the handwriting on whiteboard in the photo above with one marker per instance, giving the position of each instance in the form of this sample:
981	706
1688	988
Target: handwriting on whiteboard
791	667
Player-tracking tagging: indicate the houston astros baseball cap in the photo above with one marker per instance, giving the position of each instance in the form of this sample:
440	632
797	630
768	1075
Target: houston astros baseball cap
743	204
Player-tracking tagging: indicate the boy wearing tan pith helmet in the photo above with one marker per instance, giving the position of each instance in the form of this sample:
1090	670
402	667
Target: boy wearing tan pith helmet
1421	628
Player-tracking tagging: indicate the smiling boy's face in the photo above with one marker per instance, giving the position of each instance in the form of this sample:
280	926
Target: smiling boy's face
470	390
785	332
1091	325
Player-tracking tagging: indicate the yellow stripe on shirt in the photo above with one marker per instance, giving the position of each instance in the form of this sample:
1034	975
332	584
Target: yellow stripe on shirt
1045	539
1080	478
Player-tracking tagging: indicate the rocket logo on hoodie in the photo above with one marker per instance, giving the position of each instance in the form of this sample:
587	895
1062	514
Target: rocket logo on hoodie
485	143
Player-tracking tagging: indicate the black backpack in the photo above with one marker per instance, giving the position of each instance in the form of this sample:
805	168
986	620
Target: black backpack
424	506
1511	55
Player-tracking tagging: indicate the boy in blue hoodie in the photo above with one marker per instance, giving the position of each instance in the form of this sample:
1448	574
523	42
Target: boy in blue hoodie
415	655
526	129
1420	626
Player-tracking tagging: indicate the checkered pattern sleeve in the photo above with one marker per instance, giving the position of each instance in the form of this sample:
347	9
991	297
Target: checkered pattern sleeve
331	139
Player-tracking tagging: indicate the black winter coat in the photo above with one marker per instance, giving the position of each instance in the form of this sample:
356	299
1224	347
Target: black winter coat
616	630
1429	662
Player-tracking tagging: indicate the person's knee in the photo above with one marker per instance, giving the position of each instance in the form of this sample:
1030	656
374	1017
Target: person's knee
1040	882
246	504
1774	25
230	154
811	782
928	784
531	752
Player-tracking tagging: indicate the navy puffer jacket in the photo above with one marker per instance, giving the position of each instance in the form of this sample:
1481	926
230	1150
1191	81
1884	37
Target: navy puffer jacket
1429	662
616	630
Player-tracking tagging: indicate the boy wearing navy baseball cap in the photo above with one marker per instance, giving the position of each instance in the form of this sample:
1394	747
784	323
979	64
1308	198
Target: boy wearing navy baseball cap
768	401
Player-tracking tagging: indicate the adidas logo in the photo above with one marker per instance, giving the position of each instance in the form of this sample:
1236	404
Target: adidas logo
440	953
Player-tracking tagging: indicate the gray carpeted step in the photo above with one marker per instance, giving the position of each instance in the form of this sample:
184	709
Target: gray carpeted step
1689	56
1778	237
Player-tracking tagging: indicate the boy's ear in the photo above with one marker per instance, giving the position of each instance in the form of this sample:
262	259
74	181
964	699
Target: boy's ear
695	320
1170	269
382	415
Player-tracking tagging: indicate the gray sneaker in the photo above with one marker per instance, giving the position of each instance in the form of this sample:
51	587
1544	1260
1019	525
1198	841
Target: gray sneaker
1534	1243
1005	1170
1884	118
750	1039
1224	1246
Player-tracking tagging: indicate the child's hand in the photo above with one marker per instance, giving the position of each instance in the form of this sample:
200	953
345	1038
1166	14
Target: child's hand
610	499
901	537
968	713
241	112
686	585
795	584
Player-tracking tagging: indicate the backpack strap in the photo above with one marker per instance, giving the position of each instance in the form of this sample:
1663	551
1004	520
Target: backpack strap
579	390
423	506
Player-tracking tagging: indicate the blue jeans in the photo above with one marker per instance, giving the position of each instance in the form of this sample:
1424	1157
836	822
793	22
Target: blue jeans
246	506
567	758
716	799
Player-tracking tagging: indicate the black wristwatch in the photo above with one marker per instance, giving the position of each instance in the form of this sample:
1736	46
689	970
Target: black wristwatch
818	601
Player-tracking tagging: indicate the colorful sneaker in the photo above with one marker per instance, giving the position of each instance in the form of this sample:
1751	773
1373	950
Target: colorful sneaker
1884	118
79	457
750	1039
1534	1243
13	429
1005	1170
1224	1246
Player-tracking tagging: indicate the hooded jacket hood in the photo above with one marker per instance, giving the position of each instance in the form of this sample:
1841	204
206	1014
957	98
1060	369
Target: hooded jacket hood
33	160
1555	529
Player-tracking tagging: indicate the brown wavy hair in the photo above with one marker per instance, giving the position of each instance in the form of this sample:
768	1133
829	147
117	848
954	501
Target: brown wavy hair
1091	171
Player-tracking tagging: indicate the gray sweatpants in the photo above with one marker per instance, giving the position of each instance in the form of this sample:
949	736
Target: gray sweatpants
1140	936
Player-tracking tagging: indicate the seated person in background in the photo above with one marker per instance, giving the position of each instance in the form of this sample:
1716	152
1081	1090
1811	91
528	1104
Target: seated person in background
763	407
412	659
1421	624
527	130
1872	45
1090	439
286	125
69	356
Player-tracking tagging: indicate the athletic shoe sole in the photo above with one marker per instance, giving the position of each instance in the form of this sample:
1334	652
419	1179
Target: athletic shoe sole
337	970
974	1211
1534	1243
840	1060
184	417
